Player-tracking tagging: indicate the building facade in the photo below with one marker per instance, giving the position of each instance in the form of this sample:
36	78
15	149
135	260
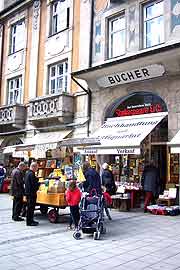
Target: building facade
38	48
132	68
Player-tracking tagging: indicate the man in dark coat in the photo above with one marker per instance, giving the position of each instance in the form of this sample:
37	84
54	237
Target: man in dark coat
108	179
150	182
17	190
31	188
93	180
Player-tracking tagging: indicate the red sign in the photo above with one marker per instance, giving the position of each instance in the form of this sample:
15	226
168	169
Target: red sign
136	111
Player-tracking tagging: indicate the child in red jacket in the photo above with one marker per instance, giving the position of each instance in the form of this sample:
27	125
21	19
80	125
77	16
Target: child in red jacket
107	202
73	197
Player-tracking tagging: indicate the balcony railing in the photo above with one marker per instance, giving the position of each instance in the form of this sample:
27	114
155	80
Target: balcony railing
14	115
56	107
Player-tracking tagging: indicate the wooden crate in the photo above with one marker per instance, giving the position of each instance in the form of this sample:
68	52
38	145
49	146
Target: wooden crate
54	199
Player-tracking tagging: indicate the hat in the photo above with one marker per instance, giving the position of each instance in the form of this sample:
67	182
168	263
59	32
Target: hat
105	166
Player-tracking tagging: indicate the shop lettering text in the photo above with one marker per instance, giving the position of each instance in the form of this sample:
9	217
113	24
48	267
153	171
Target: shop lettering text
137	74
129	76
126	151
90	151
133	124
128	112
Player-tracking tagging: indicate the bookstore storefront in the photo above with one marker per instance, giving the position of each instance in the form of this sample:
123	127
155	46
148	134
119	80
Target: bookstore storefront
134	132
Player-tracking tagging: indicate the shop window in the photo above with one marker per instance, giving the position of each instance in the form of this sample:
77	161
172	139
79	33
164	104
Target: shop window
17	36
116	36
58	76
59	17
15	90
153	24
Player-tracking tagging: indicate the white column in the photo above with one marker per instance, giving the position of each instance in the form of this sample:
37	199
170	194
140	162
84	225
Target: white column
1	5
1	43
34	50
85	16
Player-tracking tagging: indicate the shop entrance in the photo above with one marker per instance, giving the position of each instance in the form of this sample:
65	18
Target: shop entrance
159	155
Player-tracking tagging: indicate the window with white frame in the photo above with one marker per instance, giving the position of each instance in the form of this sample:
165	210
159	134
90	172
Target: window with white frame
17	36
153	23
15	90
116	26
59	17
58	78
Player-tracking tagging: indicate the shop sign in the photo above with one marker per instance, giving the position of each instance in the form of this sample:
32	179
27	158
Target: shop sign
139	109
137	104
111	151
138	74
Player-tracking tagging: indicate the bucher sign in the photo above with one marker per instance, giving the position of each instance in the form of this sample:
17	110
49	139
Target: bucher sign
138	74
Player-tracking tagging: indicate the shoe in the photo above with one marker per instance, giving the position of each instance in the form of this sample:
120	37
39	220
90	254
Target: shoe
110	218
34	223
18	219
145	210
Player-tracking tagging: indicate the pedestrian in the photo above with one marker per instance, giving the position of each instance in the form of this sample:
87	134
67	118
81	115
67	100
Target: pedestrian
108	179
93	181
107	202
31	188
2	175
150	182
17	191
73	197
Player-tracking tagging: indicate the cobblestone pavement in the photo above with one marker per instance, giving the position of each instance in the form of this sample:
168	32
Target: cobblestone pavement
134	240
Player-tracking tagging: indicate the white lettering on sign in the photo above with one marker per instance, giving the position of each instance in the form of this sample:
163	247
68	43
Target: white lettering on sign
138	74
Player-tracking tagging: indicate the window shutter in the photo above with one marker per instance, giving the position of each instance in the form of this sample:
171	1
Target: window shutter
20	36
62	15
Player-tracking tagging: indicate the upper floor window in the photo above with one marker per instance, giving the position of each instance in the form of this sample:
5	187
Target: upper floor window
59	19
116	36
153	23
58	76
17	36
15	90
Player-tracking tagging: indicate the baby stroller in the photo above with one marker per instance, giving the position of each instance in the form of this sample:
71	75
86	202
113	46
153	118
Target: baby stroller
91	216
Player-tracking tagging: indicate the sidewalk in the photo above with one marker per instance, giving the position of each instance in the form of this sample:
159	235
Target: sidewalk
133	241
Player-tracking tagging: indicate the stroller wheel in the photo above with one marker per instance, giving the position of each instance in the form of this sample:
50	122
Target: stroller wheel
96	235
77	235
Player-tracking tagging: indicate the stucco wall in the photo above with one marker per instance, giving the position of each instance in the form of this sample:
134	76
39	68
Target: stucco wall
168	89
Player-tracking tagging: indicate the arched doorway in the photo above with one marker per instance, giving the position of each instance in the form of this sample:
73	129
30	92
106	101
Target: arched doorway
6	156
154	146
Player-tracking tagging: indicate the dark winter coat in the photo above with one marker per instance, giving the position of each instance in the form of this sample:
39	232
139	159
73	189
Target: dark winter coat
93	181
17	184
150	179
108	181
31	183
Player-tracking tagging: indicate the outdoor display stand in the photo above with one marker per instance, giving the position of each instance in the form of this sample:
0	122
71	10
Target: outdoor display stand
54	178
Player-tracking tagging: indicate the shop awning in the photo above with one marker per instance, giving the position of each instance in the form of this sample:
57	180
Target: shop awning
175	144
123	135
80	141
44	141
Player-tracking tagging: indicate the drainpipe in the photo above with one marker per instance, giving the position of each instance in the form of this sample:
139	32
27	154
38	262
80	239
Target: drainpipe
91	33
89	93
